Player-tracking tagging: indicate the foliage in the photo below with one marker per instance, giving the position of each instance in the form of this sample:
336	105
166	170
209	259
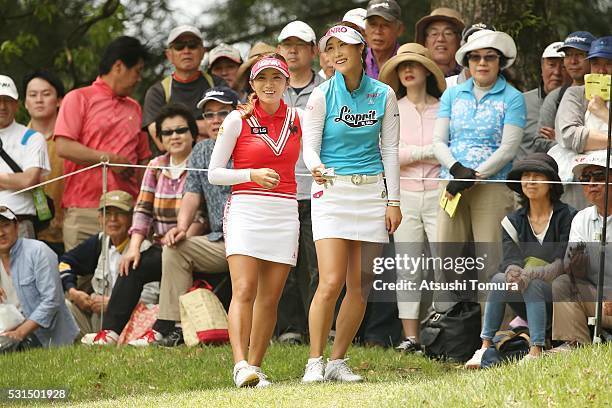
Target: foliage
182	376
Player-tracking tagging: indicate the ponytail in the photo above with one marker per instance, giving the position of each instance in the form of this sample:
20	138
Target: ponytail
247	108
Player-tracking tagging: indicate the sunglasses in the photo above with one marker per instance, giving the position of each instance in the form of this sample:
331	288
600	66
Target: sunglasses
180	45
178	131
475	58
221	114
593	176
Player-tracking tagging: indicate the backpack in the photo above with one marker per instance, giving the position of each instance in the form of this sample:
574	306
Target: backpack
166	84
507	345
452	335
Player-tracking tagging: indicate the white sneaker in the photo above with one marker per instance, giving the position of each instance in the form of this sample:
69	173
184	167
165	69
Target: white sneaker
338	370
476	359
263	379
527	358
314	370
244	375
146	339
101	338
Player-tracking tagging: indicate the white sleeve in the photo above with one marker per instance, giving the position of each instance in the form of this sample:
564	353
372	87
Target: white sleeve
312	128
218	173
389	145
440	143
37	155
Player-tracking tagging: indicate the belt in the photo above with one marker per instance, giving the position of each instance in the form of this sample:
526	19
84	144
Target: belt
359	179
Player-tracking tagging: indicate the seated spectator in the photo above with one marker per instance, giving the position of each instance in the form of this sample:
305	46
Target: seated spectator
574	292
581	125
44	92
29	281
224	61
534	243
155	214
88	259
183	253
553	77
575	50
215	105
23	162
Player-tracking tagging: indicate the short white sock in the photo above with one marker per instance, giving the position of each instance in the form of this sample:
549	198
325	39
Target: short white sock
315	359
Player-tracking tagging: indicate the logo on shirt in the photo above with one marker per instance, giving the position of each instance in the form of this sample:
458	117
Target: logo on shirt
258	130
355	120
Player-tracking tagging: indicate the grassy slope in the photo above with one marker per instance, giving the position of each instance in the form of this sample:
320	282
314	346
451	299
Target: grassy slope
201	377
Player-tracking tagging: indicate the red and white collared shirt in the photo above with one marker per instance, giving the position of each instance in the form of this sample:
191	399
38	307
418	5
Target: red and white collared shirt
261	141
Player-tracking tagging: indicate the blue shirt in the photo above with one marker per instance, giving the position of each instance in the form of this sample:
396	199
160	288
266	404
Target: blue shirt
476	127
351	132
38	287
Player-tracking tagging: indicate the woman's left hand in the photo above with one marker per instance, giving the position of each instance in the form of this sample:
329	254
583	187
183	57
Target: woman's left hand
393	218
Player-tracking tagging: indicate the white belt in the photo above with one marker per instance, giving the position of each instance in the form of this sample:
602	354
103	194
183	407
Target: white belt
359	179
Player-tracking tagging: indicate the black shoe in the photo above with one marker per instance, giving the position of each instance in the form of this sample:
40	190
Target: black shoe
409	345
172	339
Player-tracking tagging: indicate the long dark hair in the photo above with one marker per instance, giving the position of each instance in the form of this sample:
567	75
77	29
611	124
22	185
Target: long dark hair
247	108
431	85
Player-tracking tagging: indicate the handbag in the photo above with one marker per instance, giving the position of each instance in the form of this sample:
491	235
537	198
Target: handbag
10	317
203	317
454	334
142	319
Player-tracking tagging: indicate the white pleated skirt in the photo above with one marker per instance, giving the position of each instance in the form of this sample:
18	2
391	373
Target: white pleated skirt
262	227
348	211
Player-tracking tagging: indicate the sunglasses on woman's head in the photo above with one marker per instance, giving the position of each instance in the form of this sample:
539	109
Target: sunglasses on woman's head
596	176
178	131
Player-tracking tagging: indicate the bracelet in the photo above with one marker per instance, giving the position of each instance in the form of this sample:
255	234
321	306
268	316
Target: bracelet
393	203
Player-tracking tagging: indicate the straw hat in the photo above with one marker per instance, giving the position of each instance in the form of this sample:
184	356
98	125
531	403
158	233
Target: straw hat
257	49
410	52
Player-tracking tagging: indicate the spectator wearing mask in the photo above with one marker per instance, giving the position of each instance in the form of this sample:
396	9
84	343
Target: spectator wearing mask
476	136
581	124
383	28
419	83
575	50
115	217
185	51
440	32
29	281
534	243
24	161
99	123
296	42
574	293
553	77
224	61
44	92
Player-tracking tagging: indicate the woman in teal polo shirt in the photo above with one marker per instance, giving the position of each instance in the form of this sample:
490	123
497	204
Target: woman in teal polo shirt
477	134
351	137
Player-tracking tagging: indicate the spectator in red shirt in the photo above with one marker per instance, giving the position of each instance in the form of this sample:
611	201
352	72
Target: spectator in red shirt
97	123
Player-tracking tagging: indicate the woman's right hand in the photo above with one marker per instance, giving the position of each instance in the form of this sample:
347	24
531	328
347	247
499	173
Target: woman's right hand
267	178
317	174
129	260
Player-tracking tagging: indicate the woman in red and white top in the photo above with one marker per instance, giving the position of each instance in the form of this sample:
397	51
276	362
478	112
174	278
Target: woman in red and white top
261	226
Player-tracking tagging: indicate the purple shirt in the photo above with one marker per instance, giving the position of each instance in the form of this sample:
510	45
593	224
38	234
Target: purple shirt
372	69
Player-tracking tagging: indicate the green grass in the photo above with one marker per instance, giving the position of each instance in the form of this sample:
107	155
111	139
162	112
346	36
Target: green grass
202	377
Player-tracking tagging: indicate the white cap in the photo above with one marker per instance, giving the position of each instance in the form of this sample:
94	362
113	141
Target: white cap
345	34
177	31
356	16
224	51
298	29
8	88
592	158
552	51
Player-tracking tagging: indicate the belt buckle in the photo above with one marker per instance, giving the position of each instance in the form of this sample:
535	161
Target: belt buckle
357	179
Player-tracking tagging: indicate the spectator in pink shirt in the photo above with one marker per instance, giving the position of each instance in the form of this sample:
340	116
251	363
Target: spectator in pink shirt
418	83
97	123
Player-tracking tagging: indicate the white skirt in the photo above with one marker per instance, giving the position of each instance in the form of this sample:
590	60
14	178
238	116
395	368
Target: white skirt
348	211
262	227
